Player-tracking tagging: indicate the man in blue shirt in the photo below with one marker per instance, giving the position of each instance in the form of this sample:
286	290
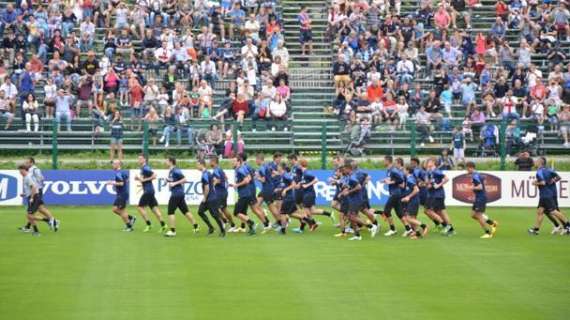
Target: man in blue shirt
363	178
176	182
286	190
257	210
221	189
307	184
396	182
546	203
435	203
245	194
266	175
210	201
297	177
558	225
148	199
411	204
120	183
480	202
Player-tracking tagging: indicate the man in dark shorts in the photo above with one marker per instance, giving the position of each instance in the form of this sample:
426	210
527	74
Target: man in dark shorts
480	203
297	173
411	204
307	184
546	203
221	189
265	174
176	181
148	199
306	33
396	182
558	224
31	198
435	201
286	190
421	176
122	196
351	202
210	201
245	193
363	178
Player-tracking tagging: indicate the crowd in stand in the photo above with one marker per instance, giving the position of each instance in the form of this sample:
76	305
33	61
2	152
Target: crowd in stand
157	61
391	67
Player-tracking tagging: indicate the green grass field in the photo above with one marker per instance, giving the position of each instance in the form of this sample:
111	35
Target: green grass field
91	270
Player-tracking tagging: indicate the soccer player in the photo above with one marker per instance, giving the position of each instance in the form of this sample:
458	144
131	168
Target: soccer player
297	173
411	204
435	203
421	177
558	225
31	198
546	203
122	196
266	175
309	195
210	201
480	204
286	189
148	199
246	195
176	181
363	178
255	207
221	189
396	182
38	177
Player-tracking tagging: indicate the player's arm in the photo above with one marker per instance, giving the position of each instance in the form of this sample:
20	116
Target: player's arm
34	191
181	181
290	187
443	181
415	191
312	183
215	180
356	188
245	181
205	191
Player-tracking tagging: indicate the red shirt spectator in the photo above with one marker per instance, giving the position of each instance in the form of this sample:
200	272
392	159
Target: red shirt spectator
442	18
240	105
374	92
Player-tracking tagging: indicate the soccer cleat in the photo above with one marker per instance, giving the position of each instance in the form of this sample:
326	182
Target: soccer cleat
251	231
297	230
373	231
407	233
487	236
170	234
36	234
357	238
51	224
494	227
24	229
55	225
557	230
413	237
196	230
266	229
533	232
233	229
128	230
242	230
340	235
313	227
163	229
210	231
390	233
349	230
438	228
147	228
449	232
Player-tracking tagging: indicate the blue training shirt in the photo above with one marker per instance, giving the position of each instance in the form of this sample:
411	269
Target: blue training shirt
242	173
146	172
307	178
398	177
287	181
121	176
175	175
222	186
435	177
477	180
544	175
207	179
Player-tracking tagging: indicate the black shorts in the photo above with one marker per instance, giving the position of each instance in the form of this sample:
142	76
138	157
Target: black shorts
212	206
177	202
120	202
288	207
423	198
344	206
479	206
354	207
306	36
223	200
365	204
435	204
148	200
547	204
268	196
395	203
411	208
298	196
243	204
309	200
32	207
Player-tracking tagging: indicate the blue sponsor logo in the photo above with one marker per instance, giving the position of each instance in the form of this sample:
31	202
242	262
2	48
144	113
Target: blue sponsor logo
79	187
8	187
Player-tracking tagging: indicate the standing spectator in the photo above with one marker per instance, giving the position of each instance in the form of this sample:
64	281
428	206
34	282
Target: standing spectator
63	103
524	162
306	33
116	136
30	108
5	110
341	71
423	125
458	143
564	121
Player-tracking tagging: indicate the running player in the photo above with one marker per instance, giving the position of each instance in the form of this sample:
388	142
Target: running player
558	225
266	175
286	190
122	196
176	181
246	195
546	204
255	207
421	179
411	204
363	178
31	198
148	199
210	200
221	189
396	182
435	203
297	173
37	175
309	195
480	204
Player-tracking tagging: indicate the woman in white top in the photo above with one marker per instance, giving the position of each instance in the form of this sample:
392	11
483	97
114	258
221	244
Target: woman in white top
277	110
49	100
206	97
402	109
30	107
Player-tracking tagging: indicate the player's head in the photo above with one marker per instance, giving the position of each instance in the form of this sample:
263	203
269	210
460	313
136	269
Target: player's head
430	163
470	166
399	162
117	164
171	161
415	162
409	169
388	160
30	161
347	167
353	164
141	160
201	164
23	169
213	161
293	158
237	161
277	157
282	168
304	163
338	161
259	159
540	162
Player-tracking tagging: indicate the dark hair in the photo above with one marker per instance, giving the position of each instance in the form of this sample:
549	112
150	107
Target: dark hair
172	160
23	167
292	156
415	159
277	155
32	160
284	166
470	164
214	159
409	168
400	161
389	159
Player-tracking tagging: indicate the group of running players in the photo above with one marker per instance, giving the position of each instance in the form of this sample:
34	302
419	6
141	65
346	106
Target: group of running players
288	190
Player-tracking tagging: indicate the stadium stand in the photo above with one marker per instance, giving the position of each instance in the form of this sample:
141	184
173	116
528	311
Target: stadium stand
310	76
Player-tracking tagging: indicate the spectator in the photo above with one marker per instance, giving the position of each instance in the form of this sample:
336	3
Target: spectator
341	72
306	34
30	108
564	120
240	108
277	111
524	162
152	119
5	110
423	125
402	108
169	119
458	144
63	103
215	137
445	162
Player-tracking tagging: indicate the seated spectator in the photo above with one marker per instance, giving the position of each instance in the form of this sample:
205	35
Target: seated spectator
231	149
564	120
30	108
169	119
423	126
402	108
215	137
240	108
152	119
341	72
512	136
277	111
63	104
5	110
524	162
206	99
